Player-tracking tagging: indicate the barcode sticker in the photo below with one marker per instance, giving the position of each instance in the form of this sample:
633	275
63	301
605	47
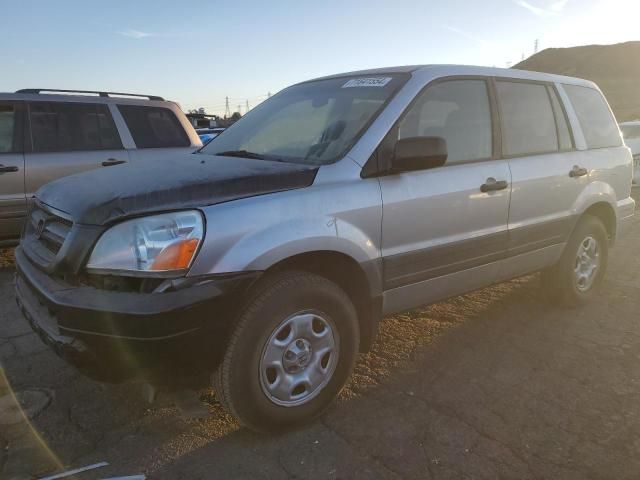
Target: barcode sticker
367	82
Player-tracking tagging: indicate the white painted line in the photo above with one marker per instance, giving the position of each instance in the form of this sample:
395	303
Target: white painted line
77	470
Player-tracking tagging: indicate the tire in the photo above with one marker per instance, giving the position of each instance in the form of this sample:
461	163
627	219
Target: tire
561	282
290	315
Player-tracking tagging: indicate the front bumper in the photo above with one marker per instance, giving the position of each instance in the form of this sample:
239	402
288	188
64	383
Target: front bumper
113	336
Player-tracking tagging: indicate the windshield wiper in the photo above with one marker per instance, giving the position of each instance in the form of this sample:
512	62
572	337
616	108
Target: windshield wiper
242	154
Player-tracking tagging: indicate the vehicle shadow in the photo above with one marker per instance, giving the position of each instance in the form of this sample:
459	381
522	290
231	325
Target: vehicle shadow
89	422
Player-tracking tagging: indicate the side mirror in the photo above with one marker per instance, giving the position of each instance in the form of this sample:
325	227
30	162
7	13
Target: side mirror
419	153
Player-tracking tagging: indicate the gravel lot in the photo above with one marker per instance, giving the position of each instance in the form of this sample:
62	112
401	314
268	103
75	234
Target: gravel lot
495	384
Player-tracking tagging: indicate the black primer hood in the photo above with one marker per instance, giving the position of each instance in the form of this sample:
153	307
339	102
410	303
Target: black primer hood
100	196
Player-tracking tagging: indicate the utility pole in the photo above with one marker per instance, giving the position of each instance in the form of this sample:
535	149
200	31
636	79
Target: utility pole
535	46
227	110
247	106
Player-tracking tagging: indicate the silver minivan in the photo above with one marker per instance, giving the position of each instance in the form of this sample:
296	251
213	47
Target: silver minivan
48	134
270	256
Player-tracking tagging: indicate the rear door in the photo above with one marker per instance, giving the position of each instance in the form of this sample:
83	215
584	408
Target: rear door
12	197
541	153
156	132
67	138
443	230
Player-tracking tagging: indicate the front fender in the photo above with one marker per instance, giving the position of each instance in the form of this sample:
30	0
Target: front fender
259	250
258	232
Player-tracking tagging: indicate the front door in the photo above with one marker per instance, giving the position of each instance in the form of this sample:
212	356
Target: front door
12	197
68	138
444	230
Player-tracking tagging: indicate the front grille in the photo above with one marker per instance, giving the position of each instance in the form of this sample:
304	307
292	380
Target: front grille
44	234
50	230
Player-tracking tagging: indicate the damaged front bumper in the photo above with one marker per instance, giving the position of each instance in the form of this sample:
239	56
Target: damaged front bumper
113	336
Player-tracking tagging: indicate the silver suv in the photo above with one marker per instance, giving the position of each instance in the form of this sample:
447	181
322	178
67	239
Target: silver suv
48	134
271	255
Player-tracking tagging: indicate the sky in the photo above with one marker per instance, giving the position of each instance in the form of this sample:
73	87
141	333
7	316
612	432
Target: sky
199	53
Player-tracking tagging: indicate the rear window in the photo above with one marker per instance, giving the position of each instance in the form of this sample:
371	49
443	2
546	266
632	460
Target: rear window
154	127
598	125
67	127
527	118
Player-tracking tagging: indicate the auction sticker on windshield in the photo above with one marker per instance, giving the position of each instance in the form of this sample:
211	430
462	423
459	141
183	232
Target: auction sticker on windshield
367	82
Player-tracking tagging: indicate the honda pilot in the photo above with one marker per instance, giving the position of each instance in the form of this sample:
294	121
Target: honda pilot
266	260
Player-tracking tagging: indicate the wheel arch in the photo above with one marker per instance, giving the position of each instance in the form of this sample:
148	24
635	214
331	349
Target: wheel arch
361	282
607	215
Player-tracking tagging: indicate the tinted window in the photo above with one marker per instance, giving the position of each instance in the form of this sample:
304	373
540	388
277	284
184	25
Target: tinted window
7	128
564	136
630	132
457	111
154	127
527	119
65	127
598	125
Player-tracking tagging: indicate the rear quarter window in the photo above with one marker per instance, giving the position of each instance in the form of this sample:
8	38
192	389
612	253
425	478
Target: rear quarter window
596	120
154	127
630	132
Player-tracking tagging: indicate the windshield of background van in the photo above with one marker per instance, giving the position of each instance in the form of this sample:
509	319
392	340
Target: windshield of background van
312	123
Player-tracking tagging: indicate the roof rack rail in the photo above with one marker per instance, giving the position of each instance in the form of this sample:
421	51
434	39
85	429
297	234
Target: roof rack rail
101	94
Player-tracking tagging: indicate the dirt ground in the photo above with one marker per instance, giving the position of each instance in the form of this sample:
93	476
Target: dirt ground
495	384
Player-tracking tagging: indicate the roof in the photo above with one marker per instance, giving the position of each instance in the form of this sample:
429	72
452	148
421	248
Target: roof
83	97
436	70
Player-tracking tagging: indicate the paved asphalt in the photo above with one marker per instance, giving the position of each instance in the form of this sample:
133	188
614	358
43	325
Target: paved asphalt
495	384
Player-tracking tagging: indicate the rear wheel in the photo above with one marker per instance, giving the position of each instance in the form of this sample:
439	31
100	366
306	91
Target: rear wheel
579	273
291	352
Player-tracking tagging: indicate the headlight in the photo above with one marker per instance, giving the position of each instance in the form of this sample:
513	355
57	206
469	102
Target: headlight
161	245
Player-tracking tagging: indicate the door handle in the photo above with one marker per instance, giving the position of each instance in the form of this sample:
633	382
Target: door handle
577	171
493	185
112	161
11	169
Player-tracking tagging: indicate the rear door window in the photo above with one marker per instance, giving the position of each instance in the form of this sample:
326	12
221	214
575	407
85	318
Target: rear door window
154	127
565	141
596	120
527	119
68	127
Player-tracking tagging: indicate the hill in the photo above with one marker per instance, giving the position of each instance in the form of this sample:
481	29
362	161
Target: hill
615	68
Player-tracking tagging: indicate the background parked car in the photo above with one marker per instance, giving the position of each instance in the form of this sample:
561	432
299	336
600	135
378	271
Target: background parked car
208	134
48	134
631	134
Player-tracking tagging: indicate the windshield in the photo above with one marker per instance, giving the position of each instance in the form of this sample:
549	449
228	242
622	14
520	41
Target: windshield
313	123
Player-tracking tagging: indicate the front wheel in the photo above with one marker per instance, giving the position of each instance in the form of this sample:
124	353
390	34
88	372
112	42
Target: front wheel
580	271
290	353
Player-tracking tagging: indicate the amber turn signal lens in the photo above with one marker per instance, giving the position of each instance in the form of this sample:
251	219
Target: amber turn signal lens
176	256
